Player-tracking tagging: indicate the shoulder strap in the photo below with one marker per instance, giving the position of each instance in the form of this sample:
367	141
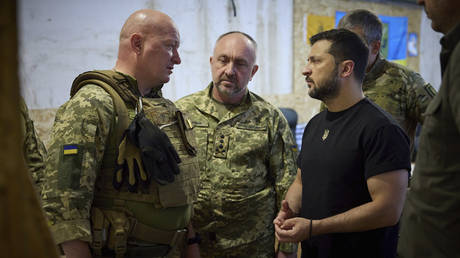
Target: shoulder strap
108	83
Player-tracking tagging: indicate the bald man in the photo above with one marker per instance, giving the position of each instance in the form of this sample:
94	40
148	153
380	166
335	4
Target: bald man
116	185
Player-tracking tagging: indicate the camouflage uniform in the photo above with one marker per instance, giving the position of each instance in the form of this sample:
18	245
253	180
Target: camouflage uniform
400	92
246	165
79	186
33	148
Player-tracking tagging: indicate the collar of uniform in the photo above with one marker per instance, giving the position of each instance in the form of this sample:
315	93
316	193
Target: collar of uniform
132	84
451	39
448	43
205	103
376	70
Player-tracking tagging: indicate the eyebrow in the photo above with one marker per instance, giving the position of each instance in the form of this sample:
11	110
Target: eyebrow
313	58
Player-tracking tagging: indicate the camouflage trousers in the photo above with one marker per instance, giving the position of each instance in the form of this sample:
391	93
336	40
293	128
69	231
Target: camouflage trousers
261	248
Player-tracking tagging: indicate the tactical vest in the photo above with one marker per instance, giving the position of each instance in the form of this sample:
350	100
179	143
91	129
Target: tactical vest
114	220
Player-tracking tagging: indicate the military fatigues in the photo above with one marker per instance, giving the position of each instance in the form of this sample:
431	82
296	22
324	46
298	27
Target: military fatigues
400	92
430	226
33	148
80	168
246	164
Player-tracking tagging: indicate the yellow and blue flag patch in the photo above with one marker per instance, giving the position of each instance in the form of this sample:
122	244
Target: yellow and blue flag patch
70	149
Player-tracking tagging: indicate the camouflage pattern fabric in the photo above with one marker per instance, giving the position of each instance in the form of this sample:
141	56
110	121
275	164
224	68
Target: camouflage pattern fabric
400	92
84	122
80	141
247	162
33	148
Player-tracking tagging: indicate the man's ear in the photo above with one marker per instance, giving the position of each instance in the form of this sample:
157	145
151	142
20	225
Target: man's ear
255	68
136	43
346	68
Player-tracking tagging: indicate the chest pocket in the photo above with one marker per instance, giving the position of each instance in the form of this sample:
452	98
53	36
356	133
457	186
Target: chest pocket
434	128
251	140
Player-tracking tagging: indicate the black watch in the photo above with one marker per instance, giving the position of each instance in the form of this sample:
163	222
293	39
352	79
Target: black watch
194	240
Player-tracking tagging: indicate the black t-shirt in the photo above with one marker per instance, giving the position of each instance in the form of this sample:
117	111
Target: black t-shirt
340	151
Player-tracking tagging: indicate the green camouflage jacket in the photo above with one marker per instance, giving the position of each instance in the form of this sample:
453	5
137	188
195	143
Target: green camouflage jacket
86	120
247	162
399	91
33	148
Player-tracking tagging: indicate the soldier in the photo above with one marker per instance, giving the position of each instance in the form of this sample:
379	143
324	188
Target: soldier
33	148
398	90
245	153
121	174
430	226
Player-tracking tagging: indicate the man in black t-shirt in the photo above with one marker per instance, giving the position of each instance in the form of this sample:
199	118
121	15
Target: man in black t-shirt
353	168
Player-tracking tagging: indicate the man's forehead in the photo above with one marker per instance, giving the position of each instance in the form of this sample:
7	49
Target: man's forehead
320	48
234	48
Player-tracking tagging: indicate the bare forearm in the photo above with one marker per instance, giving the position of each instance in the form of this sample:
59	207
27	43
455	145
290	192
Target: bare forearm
362	218
294	194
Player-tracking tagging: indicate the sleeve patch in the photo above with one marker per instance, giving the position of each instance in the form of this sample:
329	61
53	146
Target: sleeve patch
70	149
430	90
69	168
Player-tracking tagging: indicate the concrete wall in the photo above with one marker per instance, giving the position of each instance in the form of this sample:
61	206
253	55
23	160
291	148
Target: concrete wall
427	39
62	38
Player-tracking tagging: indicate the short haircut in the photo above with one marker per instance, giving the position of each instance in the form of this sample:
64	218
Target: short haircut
254	43
346	45
366	20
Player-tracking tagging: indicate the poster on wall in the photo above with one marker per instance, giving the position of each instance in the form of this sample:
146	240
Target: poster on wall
394	37
317	24
412	44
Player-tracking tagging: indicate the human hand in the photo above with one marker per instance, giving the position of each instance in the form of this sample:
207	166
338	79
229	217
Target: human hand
293	230
284	213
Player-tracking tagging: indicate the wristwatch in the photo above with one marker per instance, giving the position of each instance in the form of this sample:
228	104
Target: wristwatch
194	240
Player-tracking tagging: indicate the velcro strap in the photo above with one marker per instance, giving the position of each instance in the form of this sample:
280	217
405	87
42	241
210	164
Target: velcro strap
146	233
97	220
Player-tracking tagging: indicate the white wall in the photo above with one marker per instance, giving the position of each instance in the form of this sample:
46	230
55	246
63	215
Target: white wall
430	67
61	38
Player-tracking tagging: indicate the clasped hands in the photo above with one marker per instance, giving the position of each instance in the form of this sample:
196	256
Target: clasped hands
288	227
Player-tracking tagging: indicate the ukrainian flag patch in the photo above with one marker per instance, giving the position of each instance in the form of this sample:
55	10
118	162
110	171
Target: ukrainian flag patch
71	149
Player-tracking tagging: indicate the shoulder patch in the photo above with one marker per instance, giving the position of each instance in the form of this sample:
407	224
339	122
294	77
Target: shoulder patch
429	90
70	149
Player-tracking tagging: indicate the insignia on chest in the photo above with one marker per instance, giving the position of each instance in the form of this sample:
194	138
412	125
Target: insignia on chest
325	134
221	145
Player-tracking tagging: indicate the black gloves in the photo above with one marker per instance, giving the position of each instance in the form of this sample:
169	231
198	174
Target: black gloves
144	140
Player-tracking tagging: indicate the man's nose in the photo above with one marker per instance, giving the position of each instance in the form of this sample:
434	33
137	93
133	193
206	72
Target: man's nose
230	69
306	70
176	58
